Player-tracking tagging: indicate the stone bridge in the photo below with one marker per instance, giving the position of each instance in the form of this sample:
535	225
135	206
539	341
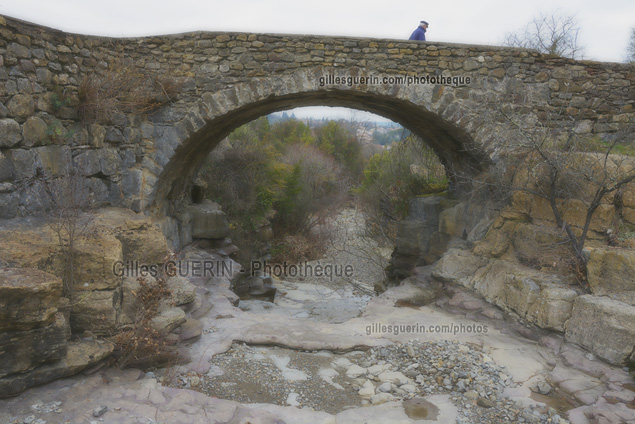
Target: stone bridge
146	159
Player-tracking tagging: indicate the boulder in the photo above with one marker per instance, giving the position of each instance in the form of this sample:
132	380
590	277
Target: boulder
208	221
183	292
142	241
255	287
141	238
34	131
168	320
604	326
458	266
451	221
10	133
28	298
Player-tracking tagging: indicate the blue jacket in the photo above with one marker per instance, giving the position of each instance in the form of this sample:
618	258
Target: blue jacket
418	34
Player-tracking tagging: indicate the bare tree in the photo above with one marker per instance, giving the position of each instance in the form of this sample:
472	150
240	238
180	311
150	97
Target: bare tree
70	199
553	33
630	49
563	168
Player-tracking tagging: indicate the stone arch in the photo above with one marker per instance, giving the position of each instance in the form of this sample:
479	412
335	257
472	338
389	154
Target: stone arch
427	111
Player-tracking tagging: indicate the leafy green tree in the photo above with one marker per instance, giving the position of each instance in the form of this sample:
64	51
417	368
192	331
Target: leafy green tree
289	132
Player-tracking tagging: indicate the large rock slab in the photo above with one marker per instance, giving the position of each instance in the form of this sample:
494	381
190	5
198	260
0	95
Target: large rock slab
208	221
604	326
28	298
23	350
37	245
79	356
537	297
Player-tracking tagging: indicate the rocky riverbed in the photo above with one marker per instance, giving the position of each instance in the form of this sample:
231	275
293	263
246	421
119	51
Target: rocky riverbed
330	353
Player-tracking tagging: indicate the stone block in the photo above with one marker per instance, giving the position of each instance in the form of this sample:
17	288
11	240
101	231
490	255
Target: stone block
34	131
604	326
10	133
537	297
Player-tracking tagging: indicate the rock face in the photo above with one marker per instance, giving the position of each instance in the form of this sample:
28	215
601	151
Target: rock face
29	298
22	351
538	298
603	325
611	272
79	356
434	224
36	322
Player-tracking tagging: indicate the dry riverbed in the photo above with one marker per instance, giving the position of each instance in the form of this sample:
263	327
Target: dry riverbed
330	353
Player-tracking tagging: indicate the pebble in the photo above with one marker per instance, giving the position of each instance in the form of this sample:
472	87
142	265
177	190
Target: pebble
485	403
355	371
380	398
385	387
99	411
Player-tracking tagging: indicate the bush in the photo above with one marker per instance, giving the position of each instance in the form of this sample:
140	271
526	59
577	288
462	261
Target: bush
122	88
275	174
394	176
140	345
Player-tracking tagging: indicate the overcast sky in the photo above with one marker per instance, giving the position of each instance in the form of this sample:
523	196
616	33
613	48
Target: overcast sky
605	25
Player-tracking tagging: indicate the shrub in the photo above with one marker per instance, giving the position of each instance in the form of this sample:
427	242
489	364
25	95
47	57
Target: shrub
123	87
139	344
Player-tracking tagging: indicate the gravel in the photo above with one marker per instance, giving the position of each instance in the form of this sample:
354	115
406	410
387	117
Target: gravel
332	382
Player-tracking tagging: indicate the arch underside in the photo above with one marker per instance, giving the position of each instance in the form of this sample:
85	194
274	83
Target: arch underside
455	148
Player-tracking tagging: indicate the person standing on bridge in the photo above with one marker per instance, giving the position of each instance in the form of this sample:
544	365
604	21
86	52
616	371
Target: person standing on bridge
420	32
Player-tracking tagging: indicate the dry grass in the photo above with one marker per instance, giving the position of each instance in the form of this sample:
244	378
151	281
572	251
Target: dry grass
123	88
